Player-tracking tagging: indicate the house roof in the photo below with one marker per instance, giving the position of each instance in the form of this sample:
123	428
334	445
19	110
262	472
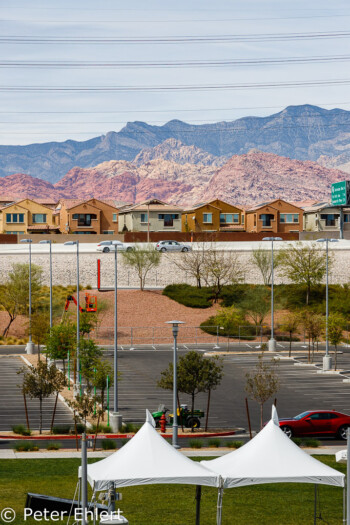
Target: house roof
271	205
151	205
199	206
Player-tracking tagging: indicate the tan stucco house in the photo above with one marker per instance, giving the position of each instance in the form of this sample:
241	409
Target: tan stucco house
152	215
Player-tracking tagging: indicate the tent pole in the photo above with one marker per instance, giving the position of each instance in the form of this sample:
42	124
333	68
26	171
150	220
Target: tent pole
344	503
219	506
198	504
315	505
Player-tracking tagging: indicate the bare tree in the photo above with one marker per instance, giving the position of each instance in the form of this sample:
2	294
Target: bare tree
262	383
290	323
193	263
262	260
220	269
335	332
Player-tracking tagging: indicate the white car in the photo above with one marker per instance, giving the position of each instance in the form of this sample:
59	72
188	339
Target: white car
172	246
112	246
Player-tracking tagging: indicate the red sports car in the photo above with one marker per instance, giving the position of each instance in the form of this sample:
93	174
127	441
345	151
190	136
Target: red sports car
317	423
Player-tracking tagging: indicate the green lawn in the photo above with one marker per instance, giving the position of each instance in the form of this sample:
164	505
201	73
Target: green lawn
290	504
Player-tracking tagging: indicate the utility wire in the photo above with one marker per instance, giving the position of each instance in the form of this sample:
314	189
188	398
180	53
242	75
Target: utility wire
170	63
188	39
194	87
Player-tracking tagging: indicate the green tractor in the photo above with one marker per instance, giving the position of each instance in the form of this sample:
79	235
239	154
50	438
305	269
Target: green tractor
184	416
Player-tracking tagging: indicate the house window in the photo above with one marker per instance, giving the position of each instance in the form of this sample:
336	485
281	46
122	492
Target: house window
346	217
39	218
144	217
330	218
84	219
108	232
229	218
266	219
207	218
289	218
242	218
15	233
254	219
15	217
115	217
168	218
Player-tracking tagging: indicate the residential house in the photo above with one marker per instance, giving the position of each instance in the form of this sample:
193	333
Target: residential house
87	217
152	215
213	216
27	216
274	217
323	216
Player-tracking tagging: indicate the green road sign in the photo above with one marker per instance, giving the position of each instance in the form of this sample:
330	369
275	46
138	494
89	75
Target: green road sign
341	193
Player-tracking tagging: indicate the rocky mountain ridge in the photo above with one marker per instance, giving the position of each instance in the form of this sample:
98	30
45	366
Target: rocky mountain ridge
300	132
243	180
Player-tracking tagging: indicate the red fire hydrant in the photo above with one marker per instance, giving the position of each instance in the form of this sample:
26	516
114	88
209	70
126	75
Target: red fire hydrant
162	422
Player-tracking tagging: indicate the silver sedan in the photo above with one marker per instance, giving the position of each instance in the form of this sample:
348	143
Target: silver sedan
172	246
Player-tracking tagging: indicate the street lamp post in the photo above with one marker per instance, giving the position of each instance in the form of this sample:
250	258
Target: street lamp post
175	325
30	344
327	359
115	418
77	386
272	341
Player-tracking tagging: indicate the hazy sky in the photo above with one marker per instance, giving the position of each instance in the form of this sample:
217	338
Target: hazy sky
79	32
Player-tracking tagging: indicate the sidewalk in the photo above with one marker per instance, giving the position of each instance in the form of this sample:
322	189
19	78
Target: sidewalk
191	453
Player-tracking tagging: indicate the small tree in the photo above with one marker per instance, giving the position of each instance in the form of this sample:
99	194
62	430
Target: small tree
221	269
230	318
290	323
59	382
194	375
83	406
304	265
14	295
39	383
213	374
102	370
262	383
89	354
40	327
143	260
257	304
60	341
263	261
312	324
336	324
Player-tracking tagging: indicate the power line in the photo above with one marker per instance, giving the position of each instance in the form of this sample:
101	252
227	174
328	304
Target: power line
170	63
194	87
267	37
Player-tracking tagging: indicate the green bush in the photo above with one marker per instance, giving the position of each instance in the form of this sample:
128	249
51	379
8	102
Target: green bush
108	444
215	442
26	446
54	445
311	443
234	444
22	430
61	429
190	295
195	443
103	429
130	428
80	428
297	441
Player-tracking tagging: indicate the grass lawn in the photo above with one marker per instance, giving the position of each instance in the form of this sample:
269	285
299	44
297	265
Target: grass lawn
286	503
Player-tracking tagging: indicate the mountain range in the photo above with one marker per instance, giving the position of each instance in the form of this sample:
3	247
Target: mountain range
299	132
165	172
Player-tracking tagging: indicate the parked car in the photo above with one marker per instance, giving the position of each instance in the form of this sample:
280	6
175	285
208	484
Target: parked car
172	246
112	246
317	423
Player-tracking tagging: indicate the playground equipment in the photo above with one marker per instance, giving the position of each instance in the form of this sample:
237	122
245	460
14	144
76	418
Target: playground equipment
90	303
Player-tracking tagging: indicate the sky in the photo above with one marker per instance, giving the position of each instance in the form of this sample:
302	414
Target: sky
78	69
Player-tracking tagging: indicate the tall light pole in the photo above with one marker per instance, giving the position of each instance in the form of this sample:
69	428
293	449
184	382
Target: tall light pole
175	325
50	243
115	417
327	359
272	341
30	344
77	386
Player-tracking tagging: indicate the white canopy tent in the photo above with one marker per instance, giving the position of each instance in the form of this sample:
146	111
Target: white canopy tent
148	459
271	457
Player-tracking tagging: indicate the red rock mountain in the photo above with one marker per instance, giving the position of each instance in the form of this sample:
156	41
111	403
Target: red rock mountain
244	179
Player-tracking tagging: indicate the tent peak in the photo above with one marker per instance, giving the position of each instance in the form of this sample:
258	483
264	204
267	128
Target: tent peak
274	415
149	419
